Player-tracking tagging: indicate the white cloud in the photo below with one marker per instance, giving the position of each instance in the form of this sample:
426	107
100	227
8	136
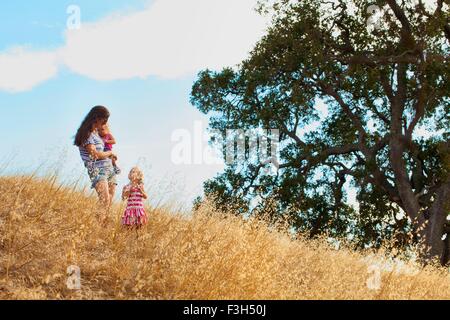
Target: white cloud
21	70
168	39
171	38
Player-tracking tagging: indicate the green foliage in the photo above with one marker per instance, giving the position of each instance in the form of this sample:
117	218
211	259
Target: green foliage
323	50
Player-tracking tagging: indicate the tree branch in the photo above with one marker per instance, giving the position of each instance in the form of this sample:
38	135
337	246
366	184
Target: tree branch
362	134
438	12
323	155
420	110
400	15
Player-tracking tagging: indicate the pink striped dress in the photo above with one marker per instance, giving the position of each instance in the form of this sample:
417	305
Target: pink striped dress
135	212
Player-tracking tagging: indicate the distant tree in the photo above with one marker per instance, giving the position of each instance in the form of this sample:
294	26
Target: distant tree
382	69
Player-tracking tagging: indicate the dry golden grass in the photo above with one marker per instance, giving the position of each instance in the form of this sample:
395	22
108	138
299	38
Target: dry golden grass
44	228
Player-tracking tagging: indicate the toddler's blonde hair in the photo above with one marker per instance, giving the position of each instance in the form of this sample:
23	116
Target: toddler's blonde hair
139	174
106	128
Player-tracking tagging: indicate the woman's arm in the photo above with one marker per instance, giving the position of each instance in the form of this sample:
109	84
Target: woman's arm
99	155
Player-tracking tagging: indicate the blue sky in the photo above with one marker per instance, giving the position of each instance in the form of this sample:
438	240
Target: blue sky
42	25
138	58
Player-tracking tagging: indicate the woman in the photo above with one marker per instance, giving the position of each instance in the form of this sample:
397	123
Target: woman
97	161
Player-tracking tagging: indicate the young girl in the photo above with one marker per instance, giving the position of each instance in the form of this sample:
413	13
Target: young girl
109	141
134	214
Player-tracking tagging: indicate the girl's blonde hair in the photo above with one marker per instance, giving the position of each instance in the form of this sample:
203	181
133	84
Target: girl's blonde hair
139	174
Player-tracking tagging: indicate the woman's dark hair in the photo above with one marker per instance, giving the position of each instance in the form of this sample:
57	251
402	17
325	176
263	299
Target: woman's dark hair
86	127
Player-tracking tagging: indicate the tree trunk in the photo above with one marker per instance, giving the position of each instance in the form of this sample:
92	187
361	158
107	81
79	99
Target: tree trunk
435	246
408	200
429	231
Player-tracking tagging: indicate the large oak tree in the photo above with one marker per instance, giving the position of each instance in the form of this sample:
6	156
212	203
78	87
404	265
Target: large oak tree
382	69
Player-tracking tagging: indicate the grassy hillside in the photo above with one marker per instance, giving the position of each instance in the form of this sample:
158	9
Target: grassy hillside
45	228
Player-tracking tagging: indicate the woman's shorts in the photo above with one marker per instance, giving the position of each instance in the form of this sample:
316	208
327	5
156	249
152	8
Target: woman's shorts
97	174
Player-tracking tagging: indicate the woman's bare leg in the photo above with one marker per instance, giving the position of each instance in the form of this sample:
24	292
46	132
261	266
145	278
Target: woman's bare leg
104	199
112	191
